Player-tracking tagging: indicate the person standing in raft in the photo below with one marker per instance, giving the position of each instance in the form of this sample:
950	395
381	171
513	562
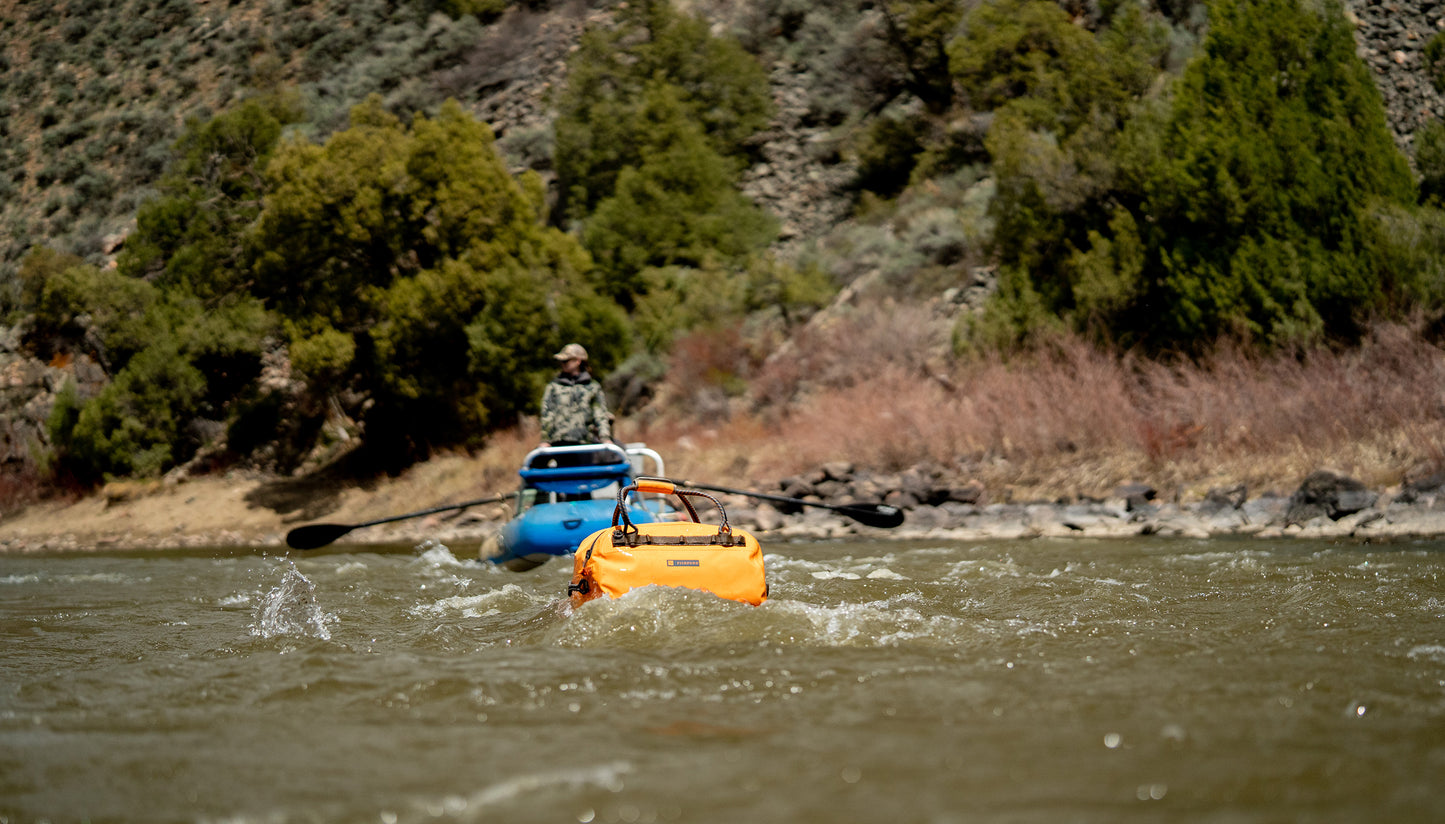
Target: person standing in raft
574	409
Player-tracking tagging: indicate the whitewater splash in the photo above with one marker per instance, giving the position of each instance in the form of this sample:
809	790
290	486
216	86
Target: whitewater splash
291	609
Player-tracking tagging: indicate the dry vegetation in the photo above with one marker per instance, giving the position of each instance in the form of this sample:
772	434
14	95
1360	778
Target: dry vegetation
1068	420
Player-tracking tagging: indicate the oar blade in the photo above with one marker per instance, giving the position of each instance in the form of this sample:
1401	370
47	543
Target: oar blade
313	536
883	516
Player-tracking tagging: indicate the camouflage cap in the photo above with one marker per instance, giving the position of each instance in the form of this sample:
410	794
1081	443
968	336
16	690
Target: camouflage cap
572	351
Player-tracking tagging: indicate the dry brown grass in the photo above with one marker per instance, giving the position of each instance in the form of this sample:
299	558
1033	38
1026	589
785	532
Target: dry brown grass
1067	421
1073	420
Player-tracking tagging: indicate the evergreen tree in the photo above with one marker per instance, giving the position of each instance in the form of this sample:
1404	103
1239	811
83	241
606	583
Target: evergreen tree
416	274
191	236
919	31
602	123
678	206
1245	203
1256	193
651	135
1061	97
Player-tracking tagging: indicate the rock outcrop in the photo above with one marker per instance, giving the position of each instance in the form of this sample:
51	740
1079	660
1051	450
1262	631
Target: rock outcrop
28	388
1391	36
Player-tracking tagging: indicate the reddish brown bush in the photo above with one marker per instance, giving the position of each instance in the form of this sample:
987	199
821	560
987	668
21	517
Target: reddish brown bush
1071	417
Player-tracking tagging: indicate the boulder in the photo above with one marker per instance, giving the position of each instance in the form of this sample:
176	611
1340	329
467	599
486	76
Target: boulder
1217	500
1419	488
1326	494
1136	496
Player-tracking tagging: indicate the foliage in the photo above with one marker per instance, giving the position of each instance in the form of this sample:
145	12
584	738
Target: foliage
888	151
682	301
1239	206
793	292
1016	317
136	423
38	266
678	206
173	360
1030	54
920	30
1275	148
192	236
417	285
484	9
1430	161
651	134
180	344
1409	240
610	106
114	83
1434	54
679	298
74	304
415	271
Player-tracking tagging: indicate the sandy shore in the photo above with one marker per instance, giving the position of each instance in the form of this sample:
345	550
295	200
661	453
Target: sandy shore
253	511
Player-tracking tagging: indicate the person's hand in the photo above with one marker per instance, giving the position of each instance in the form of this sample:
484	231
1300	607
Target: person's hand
543	445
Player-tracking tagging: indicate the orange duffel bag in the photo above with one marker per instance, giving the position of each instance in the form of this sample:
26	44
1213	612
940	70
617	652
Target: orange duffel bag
722	560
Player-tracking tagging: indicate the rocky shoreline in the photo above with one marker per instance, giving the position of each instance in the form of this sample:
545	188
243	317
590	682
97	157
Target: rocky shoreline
1326	506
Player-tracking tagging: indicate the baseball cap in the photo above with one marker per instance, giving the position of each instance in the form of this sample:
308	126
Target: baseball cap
571	351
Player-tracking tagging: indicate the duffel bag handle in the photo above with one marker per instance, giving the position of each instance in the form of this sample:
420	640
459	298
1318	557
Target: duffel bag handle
663	486
656	486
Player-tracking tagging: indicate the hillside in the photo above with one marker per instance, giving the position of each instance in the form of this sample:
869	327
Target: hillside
95	91
96	94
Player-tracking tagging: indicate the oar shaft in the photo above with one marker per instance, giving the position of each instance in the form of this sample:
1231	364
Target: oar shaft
313	536
763	495
449	507
880	515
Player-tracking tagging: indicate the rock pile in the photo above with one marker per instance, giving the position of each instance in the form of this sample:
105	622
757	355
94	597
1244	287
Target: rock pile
1326	505
1391	36
802	180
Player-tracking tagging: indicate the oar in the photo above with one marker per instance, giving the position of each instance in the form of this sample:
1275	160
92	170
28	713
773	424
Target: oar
312	536
883	516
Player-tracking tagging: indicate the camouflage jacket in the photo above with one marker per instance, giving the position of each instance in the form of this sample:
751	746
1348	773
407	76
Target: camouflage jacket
574	410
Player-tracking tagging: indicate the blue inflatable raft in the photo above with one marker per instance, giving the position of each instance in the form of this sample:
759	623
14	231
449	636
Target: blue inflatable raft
568	493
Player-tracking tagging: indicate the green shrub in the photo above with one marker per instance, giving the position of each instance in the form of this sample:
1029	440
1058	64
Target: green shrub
192	235
678	207
1407	246
889	150
40	265
431	285
94	188
650	144
603	123
135	425
1015	317
1258	207
1234	207
64	414
69	299
680	300
1430	161
793	292
485	10
1435	61
919	31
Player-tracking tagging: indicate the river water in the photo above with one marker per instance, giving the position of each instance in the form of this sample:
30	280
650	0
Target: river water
1035	681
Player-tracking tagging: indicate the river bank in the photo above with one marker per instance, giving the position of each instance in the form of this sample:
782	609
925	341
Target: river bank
238	510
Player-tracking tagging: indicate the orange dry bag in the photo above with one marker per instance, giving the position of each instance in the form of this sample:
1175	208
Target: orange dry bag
719	559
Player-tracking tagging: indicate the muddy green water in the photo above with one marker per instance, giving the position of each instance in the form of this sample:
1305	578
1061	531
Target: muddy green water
1076	681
